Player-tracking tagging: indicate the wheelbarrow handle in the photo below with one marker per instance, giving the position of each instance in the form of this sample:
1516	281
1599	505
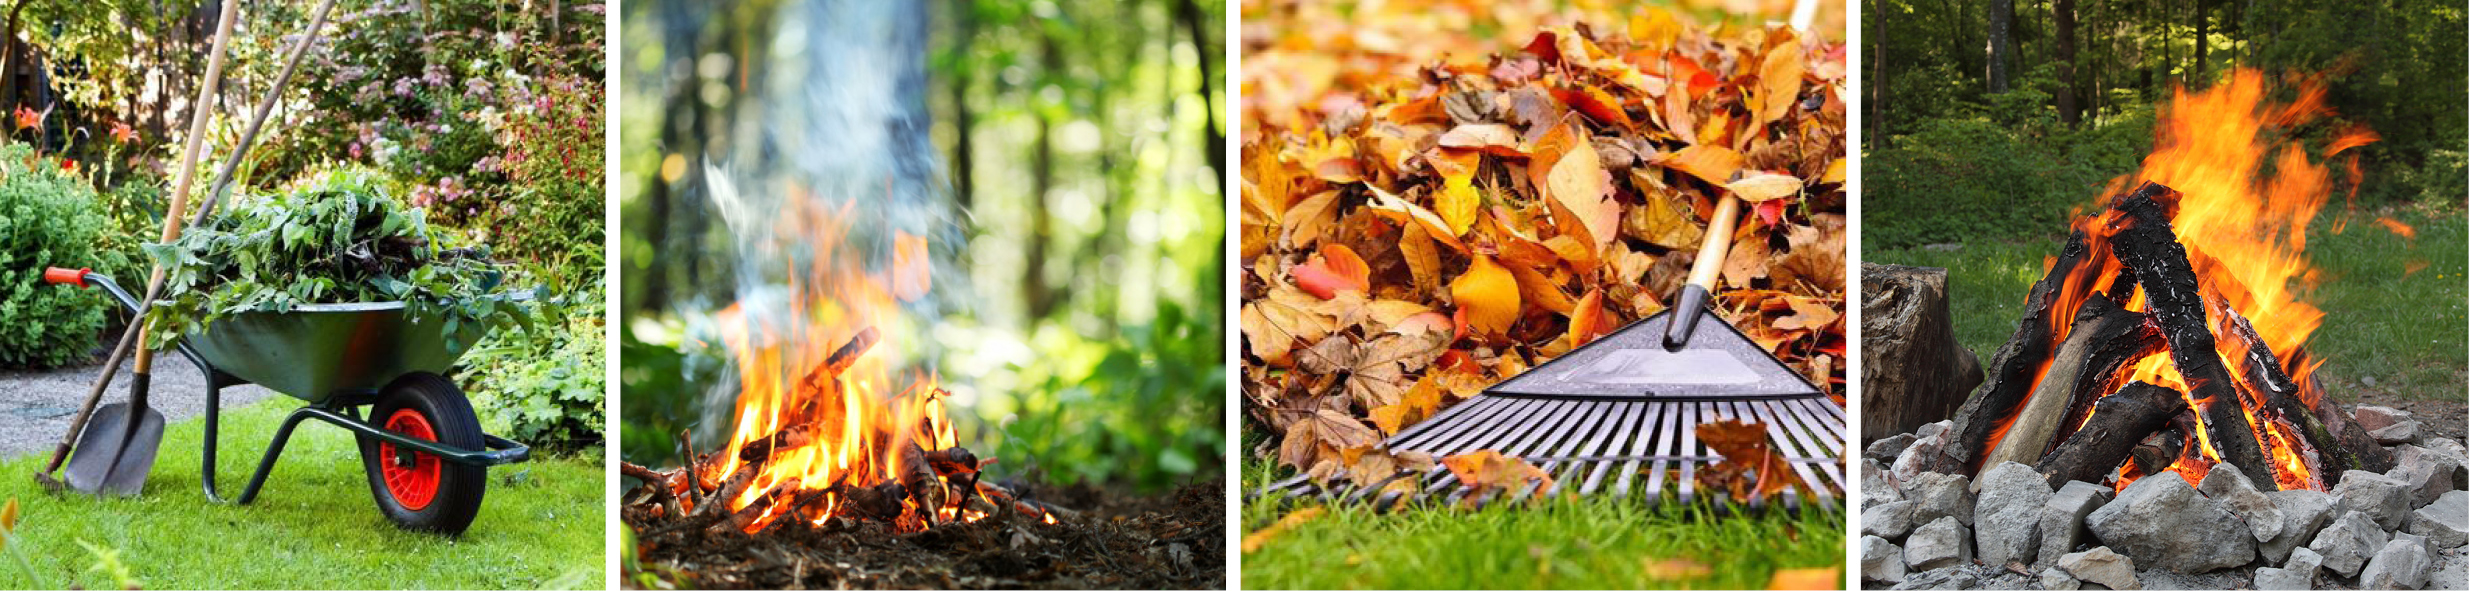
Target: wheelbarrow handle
60	276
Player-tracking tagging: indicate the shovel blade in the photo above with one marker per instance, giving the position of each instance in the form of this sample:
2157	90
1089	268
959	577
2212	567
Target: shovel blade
116	451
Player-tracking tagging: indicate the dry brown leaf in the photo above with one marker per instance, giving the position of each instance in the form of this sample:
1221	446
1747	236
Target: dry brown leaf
1320	435
1779	78
1676	569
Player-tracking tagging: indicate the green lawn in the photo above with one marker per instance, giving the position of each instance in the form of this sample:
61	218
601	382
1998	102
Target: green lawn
2405	330
314	526
1591	543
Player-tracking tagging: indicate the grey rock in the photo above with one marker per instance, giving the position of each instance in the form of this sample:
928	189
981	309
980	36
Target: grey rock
2444	522
2229	487
1874	486
2428	473
1925	454
2278	579
2061	519
1941	543
1937	429
2451	572
2053	578
2299	573
1935	495
2348	542
2380	497
2303	512
2447	446
2399	565
2006	517
1946	578
1880	560
1885	450
2101	566
2374	417
2398	433
2161	522
1887	520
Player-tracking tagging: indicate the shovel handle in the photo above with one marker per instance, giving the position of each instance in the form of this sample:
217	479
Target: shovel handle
60	276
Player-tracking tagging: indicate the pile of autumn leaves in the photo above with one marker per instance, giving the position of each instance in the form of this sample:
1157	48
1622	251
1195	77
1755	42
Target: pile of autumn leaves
1442	228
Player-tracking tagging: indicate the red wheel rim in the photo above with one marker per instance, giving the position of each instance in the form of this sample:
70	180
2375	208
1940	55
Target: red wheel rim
415	485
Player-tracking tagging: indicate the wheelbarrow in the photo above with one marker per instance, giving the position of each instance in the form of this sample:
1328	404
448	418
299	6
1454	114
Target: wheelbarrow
426	458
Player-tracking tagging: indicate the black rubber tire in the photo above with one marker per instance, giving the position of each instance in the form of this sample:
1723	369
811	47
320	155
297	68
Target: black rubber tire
459	487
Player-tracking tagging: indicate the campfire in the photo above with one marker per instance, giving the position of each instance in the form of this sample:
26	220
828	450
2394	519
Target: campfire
823	432
2169	334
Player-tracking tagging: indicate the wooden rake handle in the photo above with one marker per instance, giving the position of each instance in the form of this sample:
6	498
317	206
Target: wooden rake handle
1702	273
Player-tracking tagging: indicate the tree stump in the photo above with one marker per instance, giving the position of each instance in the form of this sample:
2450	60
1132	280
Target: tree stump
1912	371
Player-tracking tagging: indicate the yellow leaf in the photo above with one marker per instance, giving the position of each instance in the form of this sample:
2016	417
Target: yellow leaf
1402	211
1654	29
1581	193
1807	578
1764	187
1253	542
1834	172
1457	201
1422	258
1779	79
1488	295
1670	569
1310	218
1539	289
1661	221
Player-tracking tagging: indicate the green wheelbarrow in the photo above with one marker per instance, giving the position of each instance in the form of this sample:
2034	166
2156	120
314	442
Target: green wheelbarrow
426	458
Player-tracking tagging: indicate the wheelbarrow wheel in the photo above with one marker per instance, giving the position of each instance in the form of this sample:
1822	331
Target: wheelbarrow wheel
421	491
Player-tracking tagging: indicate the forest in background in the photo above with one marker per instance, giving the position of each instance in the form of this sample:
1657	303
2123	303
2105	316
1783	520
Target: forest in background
1989	119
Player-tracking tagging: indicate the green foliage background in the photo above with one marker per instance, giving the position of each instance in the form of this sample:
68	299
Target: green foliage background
49	218
1946	160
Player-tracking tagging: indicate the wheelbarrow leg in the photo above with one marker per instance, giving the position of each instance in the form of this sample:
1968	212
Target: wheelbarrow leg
274	450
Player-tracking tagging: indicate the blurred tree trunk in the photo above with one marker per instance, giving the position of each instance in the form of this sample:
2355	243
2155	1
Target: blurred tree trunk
2070	107
964	122
8	54
2001	44
1033	287
2203	42
1188	11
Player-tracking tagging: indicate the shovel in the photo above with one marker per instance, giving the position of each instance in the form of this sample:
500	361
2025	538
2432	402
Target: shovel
115	448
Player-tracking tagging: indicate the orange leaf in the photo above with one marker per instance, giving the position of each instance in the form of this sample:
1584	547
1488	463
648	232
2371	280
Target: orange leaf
1321	434
1336	269
1714	164
1403	211
1596	103
1253	542
1807	578
1488	470
1751	468
1581	193
1487	294
1588	321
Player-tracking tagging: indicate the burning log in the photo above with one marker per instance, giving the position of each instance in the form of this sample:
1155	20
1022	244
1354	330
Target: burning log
822	375
925	489
746	516
2340	444
2102	338
2150	251
2016	366
2119	423
2162	448
790	437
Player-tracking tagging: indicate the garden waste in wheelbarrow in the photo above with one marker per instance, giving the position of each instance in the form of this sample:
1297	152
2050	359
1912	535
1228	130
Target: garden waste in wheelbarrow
421	445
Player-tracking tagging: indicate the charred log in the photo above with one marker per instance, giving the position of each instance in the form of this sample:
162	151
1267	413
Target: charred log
2101	335
2150	251
2340	444
2162	448
2015	366
2119	422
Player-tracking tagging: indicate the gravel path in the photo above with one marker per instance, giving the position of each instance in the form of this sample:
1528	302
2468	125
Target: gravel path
36	406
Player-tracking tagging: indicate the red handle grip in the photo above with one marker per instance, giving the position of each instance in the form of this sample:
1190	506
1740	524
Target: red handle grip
61	276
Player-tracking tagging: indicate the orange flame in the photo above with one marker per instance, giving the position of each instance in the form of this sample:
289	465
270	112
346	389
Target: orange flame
850	426
2248	193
